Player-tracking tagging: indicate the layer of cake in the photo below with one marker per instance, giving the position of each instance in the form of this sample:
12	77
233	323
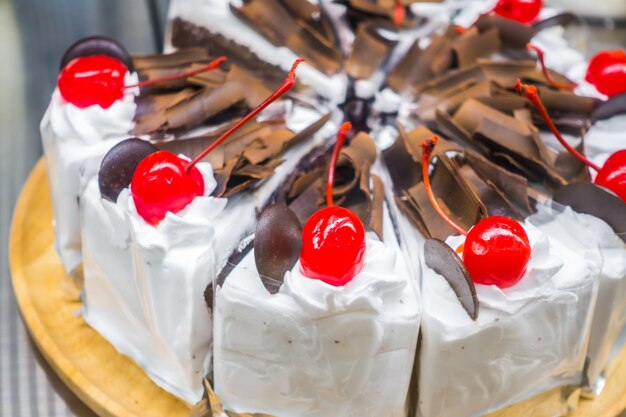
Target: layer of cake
74	142
527	338
316	350
144	285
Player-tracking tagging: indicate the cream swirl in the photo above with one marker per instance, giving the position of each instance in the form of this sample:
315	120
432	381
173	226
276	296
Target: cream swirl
94	124
316	350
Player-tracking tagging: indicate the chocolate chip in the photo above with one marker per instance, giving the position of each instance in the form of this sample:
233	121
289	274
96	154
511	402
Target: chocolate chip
118	166
97	45
596	201
445	261
277	243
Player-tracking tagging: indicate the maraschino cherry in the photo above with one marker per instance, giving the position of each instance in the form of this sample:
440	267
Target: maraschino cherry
523	11
612	175
99	80
607	72
163	182
333	239
496	250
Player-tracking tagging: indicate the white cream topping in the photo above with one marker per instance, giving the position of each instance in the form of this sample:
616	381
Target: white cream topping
94	124
527	338
316	350
74	142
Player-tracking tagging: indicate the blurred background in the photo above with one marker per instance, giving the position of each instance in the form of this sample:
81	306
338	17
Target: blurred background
33	36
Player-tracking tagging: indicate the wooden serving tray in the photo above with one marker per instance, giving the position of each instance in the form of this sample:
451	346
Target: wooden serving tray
112	384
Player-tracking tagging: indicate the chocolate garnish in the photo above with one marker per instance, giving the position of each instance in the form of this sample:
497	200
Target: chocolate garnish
277	242
274	21
561	19
378	199
596	201
97	45
119	164
473	44
513	34
369	51
179	58
614	106
443	260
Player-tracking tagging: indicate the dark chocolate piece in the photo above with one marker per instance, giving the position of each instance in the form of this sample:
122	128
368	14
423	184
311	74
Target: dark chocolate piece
369	51
277	242
512	34
97	45
596	201
119	164
612	107
445	261
561	19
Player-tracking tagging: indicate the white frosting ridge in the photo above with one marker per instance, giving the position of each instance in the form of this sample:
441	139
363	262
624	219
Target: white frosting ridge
74	142
145	285
527	338
316	350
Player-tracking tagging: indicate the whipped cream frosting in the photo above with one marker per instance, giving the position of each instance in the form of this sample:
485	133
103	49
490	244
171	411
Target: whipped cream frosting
527	338
74	142
316	350
144	285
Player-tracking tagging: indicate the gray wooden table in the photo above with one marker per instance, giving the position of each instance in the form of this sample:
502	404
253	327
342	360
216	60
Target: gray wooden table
33	36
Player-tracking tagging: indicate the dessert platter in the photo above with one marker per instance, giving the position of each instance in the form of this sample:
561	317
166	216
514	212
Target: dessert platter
333	208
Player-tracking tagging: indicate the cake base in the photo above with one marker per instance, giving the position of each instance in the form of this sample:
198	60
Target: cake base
111	384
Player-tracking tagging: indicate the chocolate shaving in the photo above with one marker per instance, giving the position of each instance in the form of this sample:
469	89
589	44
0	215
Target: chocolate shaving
378	198
596	201
369	50
512	34
180	58
277	243
473	44
446	262
614	106
272	20
561	19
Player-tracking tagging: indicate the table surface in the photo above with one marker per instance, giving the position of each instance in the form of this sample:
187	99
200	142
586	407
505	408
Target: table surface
33	36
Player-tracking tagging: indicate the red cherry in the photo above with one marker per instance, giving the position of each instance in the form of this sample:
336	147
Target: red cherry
95	79
523	11
161	184
607	72
496	252
333	239
333	245
612	175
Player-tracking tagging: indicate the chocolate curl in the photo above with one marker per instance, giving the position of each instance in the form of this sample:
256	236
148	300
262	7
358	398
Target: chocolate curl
369	51
182	57
208	67
286	86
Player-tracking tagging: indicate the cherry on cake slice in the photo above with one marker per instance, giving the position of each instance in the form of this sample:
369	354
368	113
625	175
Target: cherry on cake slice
319	314
158	226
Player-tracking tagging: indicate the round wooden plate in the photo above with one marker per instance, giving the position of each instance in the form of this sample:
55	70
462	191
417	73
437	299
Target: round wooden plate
112	384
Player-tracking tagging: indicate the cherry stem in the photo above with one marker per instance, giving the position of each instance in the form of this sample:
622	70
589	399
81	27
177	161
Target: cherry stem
531	93
428	146
399	13
284	87
208	67
546	72
342	134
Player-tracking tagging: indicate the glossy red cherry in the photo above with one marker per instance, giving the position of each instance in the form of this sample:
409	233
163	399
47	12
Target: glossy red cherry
333	245
607	72
90	80
161	184
523	11
496	252
612	175
333	239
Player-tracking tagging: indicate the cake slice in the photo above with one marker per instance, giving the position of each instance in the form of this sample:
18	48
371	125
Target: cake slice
306	326
147	262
